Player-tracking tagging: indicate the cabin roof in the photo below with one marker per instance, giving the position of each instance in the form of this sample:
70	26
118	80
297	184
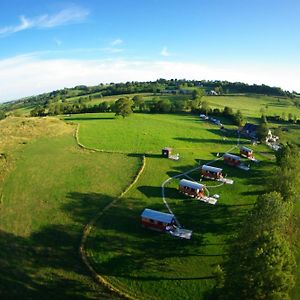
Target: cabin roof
191	184
157	215
246	149
232	156
167	148
211	169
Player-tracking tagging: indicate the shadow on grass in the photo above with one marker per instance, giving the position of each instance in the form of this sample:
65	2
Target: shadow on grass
46	264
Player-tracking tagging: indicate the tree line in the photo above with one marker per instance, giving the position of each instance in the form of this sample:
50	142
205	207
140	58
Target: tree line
158	86
261	263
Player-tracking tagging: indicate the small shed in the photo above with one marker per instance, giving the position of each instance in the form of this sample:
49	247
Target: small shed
166	152
231	159
156	220
246	152
211	172
191	188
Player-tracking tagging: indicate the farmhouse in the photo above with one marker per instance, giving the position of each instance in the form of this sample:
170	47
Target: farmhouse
166	152
231	159
211	172
191	188
249	130
156	220
246	152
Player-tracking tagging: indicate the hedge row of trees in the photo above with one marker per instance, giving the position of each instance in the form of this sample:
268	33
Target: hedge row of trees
137	103
158	86
261	262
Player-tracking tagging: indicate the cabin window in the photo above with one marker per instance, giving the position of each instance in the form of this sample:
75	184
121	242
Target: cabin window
160	223
151	221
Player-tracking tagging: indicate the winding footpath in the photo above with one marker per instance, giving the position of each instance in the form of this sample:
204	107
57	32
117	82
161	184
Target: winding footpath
88	227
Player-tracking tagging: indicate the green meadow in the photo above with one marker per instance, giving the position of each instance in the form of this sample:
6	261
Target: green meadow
150	265
53	190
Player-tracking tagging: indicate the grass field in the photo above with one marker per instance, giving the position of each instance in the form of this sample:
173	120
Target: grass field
150	265
50	188
52	191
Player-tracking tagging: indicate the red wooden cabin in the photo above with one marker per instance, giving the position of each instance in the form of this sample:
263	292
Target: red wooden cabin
156	220
231	159
211	172
246	152
191	188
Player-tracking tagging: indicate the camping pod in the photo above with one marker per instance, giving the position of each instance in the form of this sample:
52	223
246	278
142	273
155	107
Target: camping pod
246	152
156	220
211	172
231	159
191	188
166	152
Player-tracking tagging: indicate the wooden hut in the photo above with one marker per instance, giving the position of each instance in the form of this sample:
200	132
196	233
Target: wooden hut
156	220
246	152
166	152
211	172
191	188
231	159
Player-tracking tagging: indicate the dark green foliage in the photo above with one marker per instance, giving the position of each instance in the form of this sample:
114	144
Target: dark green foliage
139	102
38	112
238	118
123	107
262	131
261	269
197	94
227	112
261	263
2	115
286	179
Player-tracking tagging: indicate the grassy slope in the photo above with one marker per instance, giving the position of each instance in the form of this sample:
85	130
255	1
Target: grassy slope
54	189
147	263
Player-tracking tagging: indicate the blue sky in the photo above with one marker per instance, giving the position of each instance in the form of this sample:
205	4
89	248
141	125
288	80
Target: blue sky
46	45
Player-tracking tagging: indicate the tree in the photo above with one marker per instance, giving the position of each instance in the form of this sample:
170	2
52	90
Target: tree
284	179
261	263
262	131
205	107
138	101
261	269
123	107
197	94
228	112
238	118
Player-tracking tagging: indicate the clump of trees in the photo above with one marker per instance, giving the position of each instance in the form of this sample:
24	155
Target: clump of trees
261	262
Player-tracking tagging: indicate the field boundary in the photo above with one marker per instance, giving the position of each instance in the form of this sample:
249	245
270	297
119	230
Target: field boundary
93	149
87	229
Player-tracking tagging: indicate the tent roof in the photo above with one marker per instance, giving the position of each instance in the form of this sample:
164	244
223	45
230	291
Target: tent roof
232	156
191	184
157	215
212	169
246	149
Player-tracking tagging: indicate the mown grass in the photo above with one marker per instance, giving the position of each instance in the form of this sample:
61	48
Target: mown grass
53	190
147	264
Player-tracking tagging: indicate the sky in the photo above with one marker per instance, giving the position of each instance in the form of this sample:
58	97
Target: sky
47	45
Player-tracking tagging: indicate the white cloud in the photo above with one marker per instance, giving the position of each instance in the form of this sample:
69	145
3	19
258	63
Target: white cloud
72	14
26	75
164	52
116	42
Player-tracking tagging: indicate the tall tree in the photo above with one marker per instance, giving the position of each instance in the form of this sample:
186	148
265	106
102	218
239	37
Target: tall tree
123	107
